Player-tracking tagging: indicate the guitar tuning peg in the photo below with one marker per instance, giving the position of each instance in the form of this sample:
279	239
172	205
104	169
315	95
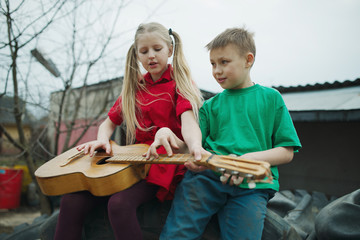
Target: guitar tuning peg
223	178
237	181
248	175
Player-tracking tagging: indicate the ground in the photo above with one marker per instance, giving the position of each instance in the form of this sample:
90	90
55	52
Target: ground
10	218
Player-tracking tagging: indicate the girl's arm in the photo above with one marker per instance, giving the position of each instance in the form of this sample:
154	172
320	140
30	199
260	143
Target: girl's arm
105	131
167	138
192	136
191	133
172	144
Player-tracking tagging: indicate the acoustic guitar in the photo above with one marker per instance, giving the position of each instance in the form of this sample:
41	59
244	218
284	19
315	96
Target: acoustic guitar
104	174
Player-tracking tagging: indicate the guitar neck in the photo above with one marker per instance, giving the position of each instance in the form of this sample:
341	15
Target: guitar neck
163	159
228	164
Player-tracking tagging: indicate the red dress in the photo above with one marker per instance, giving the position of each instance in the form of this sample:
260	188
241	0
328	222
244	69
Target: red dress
161	106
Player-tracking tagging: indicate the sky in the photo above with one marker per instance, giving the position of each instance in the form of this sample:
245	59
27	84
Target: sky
298	42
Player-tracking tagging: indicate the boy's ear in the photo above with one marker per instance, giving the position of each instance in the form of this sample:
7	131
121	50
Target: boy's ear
250	59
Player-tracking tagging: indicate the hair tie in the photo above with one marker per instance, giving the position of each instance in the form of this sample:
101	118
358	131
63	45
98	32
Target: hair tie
170	31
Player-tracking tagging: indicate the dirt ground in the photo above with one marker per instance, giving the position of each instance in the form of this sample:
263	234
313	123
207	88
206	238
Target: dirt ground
10	218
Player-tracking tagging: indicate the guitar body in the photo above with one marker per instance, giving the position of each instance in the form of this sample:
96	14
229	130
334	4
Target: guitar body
104	175
91	174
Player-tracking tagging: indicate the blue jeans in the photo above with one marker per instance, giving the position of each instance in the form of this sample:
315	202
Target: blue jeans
241	212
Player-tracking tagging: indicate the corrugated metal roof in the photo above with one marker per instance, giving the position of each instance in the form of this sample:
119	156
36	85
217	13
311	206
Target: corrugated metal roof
318	86
337	101
331	99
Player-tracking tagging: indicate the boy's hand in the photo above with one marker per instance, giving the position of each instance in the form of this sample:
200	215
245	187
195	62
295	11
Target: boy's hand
90	147
234	180
193	167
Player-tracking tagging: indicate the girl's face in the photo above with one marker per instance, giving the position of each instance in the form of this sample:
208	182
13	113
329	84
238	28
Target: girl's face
153	53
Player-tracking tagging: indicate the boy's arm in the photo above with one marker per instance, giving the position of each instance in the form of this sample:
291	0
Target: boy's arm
274	156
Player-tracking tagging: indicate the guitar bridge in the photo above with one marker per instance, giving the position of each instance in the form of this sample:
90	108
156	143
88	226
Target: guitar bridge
73	157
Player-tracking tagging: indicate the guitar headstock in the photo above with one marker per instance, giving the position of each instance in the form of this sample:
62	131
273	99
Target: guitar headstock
251	169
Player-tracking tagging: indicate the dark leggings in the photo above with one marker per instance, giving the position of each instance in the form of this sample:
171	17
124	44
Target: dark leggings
121	210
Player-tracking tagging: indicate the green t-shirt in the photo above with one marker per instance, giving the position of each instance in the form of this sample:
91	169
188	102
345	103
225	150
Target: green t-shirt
247	120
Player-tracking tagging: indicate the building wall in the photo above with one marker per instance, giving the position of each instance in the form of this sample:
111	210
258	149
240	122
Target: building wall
94	103
7	148
90	135
329	161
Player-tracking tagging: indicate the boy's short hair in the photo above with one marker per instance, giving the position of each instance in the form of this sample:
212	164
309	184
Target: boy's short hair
240	37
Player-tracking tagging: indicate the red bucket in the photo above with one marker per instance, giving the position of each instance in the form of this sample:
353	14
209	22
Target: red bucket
10	187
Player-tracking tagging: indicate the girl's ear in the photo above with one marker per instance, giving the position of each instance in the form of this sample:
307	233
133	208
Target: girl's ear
170	50
250	59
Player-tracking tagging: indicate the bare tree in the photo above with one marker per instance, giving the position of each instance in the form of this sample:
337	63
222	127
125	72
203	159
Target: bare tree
85	58
89	55
69	31
19	35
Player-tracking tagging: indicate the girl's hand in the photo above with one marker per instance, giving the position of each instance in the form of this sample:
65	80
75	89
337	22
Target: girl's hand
165	137
90	147
197	152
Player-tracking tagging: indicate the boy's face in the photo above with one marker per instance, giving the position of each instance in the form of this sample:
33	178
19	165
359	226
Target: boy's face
230	69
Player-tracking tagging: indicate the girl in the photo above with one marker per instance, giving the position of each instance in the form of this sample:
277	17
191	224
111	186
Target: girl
164	97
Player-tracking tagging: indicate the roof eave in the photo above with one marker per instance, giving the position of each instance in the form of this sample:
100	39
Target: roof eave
326	115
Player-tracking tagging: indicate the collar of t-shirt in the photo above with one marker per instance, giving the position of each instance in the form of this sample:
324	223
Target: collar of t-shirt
166	76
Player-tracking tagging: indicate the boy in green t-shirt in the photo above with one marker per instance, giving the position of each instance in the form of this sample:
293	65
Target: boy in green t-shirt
246	119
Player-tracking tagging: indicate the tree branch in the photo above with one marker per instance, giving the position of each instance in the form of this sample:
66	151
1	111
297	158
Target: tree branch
12	140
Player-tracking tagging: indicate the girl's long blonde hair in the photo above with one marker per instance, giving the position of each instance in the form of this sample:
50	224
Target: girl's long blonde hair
132	78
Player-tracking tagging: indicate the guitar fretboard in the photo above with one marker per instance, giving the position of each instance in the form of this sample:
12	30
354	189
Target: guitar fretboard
164	159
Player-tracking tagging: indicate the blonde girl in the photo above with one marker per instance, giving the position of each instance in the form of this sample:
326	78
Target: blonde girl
165	96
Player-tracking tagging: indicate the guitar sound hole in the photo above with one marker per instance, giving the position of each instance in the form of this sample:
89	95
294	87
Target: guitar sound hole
102	161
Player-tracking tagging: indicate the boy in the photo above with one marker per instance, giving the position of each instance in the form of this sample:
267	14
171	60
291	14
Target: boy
246	119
